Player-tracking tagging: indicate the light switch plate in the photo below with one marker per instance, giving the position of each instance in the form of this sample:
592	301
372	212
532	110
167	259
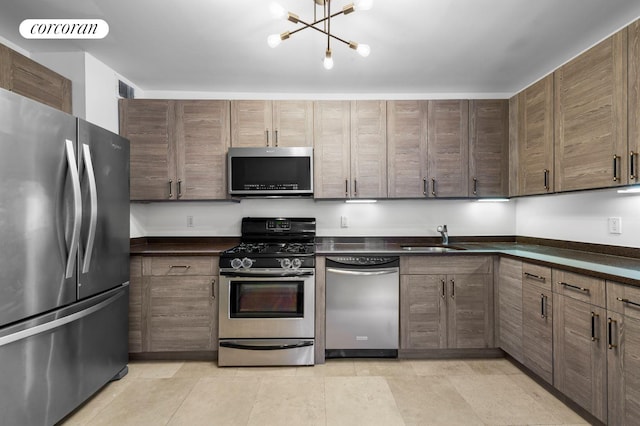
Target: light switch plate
344	222
615	225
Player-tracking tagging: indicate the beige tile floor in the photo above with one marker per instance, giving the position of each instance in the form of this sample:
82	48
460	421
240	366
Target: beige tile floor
340	392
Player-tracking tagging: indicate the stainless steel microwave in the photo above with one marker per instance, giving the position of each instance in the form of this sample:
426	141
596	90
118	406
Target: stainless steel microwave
270	171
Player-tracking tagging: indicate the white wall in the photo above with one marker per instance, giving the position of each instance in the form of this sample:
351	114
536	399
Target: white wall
385	218
580	216
101	94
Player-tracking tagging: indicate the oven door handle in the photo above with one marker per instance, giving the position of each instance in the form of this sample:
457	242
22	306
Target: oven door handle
266	274
234	345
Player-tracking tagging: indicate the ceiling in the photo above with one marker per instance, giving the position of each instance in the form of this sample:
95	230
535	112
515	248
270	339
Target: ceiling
417	46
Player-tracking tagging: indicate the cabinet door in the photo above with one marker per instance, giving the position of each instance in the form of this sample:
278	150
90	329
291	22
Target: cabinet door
407	148
448	148
369	149
35	81
148	124
537	331
488	148
634	102
535	144
202	138
510	307
135	305
332	162
591	118
5	67
292	123
469	316
579	341
623	369
422	312
251	123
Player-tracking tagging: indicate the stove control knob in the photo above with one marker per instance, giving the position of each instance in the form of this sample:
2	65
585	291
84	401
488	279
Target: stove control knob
285	263
236	263
296	263
247	263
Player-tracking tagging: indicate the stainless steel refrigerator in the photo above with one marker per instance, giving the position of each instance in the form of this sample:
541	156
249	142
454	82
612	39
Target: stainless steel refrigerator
64	260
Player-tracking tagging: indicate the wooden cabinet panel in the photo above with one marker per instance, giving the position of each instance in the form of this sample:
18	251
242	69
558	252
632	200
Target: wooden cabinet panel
180	265
148	125
634	101
587	289
537	330
332	162
535	146
369	149
407	148
202	137
579	337
5	67
292	123
251	123
591	118
624	299
469	311
516	133
448	148
510	307
488	148
135	305
422	312
536	275
446	264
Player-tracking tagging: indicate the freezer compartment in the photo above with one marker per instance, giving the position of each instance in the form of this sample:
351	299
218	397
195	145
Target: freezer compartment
264	352
52	363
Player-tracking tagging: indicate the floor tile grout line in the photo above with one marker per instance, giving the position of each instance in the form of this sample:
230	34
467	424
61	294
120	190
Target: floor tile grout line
195	382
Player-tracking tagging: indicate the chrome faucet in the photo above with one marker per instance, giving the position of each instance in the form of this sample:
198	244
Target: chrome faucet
442	229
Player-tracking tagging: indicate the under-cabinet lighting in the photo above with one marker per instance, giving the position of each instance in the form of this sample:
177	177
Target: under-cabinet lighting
361	201
632	190
493	200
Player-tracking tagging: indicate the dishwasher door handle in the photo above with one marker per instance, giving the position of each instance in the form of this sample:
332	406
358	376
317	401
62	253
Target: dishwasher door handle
363	273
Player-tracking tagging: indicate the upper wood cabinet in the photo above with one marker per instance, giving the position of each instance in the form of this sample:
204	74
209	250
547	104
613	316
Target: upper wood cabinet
350	151
448	148
489	148
591	117
534	130
407	148
178	148
634	101
271	123
28	78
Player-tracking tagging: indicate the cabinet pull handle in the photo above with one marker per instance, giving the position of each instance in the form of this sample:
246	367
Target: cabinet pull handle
632	165
543	298
534	276
628	301
346	187
266	133
355	187
615	168
179	266
453	289
575	287
433	187
475	186
611	345
213	288
276	137
179	188
170	185
546	179
443	293
593	326
424	186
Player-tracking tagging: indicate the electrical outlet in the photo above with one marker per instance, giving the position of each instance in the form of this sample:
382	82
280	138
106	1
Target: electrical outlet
344	222
615	225
189	221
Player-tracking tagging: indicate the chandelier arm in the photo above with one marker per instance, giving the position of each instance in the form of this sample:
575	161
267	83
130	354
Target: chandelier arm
306	25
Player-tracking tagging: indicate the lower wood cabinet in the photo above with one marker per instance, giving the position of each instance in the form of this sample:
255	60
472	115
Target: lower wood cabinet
446	302
178	307
509	307
537	320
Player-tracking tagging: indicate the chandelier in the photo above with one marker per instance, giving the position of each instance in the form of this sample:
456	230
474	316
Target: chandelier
321	24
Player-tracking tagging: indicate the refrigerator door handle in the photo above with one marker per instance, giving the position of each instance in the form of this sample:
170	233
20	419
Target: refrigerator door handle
77	208
93	198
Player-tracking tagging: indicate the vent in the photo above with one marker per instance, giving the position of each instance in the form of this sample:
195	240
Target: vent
125	91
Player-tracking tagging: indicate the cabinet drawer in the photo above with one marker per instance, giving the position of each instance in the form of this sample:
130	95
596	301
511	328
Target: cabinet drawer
455	264
537	275
581	287
181	265
624	299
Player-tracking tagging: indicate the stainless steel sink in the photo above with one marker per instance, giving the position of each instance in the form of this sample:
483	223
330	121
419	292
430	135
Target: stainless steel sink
431	248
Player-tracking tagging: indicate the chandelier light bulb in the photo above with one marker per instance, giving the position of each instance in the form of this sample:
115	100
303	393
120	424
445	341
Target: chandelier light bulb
364	4
363	50
277	11
328	60
274	40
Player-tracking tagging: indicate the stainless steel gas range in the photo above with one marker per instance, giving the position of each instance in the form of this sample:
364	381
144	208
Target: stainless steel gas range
267	294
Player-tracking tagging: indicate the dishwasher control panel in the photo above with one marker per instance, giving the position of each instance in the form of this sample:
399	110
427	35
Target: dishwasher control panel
364	261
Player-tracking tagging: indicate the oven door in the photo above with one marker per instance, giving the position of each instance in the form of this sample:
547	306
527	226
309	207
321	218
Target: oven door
266	307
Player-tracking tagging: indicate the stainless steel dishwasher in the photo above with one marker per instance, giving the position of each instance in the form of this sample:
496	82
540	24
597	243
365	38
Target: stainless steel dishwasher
362	306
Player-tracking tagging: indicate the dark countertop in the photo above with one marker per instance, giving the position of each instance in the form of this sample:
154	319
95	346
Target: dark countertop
182	246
